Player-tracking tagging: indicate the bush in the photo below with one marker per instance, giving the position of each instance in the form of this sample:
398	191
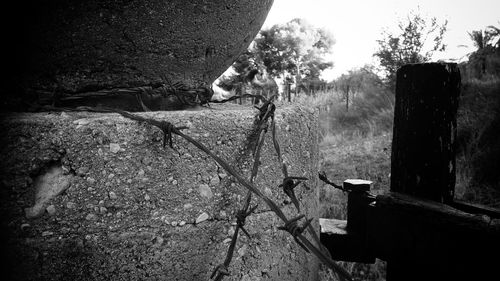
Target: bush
370	114
478	163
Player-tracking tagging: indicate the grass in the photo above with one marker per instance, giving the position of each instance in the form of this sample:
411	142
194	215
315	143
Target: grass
478	164
357	144
354	144
346	156
352	157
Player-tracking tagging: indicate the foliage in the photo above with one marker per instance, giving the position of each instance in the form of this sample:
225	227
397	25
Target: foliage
485	61
478	121
296	48
487	37
294	51
416	40
241	66
361	80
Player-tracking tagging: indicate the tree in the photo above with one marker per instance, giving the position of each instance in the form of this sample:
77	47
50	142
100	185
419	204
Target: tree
415	41
484	38
486	58
348	84
357	80
295	49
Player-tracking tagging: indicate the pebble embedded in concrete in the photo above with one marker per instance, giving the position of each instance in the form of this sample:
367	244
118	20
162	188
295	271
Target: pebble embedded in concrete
112	195
82	171
47	233
90	217
114	147
201	218
214	181
51	210
205	191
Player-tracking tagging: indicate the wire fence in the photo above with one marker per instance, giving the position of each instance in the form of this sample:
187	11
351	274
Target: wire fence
265	121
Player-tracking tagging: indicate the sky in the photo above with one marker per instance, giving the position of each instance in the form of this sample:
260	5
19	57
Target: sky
357	24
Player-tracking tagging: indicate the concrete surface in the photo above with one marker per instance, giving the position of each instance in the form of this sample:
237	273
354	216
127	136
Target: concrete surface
88	196
75	46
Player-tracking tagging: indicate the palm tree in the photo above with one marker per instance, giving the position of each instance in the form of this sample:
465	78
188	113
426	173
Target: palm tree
487	42
478	39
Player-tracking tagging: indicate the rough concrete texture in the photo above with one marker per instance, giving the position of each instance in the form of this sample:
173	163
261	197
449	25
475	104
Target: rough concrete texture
130	209
86	45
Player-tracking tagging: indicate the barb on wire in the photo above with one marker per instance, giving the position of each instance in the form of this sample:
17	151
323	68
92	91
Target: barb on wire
295	230
166	127
288	186
172	95
186	95
290	225
322	256
322	176
222	269
243	213
277	148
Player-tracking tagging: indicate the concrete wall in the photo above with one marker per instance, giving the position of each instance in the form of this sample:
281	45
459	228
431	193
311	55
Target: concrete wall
74	46
96	197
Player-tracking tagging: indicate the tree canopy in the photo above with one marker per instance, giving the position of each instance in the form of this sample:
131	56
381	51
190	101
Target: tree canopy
359	80
294	51
486	59
296	48
489	37
416	40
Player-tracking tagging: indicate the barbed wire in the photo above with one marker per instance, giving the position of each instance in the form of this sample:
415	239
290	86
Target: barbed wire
322	176
289	183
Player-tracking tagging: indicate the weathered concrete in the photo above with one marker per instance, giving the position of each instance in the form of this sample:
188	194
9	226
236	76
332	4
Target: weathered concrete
130	209
74	46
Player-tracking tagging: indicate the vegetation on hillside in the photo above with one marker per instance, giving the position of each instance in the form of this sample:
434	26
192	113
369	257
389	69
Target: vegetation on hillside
478	165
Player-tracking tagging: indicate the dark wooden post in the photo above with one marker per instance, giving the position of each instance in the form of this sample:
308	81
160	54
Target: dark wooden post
423	146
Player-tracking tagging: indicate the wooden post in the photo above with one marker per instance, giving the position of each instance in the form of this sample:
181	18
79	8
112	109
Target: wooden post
289	91
357	201
346	240
242	88
425	128
423	145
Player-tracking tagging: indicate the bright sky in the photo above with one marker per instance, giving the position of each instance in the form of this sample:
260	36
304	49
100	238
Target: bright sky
357	24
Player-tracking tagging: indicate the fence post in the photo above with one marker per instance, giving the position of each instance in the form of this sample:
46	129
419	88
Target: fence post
289	91
423	145
425	127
